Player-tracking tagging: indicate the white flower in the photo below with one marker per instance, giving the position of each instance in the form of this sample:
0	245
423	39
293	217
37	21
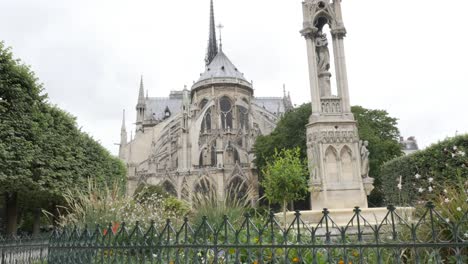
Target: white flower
431	179
455	147
447	220
399	186
466	235
453	155
445	190
430	189
459	209
461	153
421	190
417	176
447	200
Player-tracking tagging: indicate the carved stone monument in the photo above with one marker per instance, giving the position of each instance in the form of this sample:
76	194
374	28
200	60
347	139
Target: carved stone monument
338	159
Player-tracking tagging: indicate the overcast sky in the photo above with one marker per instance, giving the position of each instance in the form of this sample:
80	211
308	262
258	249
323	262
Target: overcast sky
407	57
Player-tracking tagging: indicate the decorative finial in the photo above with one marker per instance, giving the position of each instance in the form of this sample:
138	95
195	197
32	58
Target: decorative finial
220	28
212	45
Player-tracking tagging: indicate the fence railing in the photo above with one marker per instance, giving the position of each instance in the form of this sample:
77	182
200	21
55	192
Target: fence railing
21	250
431	238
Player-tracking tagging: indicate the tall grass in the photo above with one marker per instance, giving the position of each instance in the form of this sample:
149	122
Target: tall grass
102	205
234	204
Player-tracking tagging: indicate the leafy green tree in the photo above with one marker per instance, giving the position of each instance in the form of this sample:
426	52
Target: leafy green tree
285	178
375	126
42	152
290	132
19	123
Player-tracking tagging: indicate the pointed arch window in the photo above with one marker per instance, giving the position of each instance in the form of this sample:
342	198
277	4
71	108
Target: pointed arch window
203	187
169	188
206	122
213	156
243	117
203	103
208	157
225	106
237	189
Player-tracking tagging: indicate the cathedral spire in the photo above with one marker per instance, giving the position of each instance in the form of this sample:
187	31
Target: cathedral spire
123	138
141	94
212	49
123	121
140	107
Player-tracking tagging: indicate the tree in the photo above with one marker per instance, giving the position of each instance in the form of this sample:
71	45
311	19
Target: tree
21	101
285	178
42	152
375	126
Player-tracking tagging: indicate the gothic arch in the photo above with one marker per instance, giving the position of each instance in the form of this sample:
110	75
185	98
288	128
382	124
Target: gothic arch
324	14
331	165
237	188
207	156
203	103
169	187
347	170
204	186
243	117
226	107
231	154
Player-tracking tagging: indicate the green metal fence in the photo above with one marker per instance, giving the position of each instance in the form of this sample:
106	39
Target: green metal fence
21	250
430	239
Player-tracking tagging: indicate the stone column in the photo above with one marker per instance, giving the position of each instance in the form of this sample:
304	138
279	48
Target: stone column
340	67
339	32
309	34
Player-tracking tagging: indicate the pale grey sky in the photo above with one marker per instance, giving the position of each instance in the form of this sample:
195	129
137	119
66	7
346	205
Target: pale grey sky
405	56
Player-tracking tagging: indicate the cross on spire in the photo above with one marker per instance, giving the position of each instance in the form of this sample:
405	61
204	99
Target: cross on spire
220	28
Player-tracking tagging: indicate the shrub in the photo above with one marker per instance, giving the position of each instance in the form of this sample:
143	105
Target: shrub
106	205
422	171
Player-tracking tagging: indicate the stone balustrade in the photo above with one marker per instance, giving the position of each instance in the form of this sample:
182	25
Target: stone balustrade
331	105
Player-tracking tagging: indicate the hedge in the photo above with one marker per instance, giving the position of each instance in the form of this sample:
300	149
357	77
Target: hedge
424	172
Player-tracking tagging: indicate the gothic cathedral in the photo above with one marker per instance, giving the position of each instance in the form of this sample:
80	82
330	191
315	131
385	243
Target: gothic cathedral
201	140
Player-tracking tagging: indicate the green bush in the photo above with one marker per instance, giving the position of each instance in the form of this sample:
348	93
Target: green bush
422	171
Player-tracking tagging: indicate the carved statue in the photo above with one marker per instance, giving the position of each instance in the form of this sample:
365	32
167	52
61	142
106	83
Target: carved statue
323	54
364	159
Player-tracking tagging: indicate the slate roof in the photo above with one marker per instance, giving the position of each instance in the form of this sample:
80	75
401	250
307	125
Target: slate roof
221	67
272	104
155	107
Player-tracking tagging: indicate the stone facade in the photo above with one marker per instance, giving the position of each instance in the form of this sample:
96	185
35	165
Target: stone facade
201	139
409	145
338	160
